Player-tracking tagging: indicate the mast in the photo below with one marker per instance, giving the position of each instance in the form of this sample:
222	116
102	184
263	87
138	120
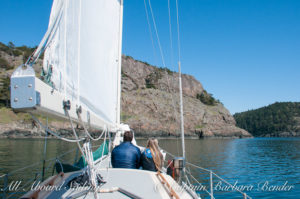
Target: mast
181	112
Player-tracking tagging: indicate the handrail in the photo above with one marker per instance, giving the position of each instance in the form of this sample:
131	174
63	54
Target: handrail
6	193
37	163
231	185
197	167
20	169
50	181
199	183
211	173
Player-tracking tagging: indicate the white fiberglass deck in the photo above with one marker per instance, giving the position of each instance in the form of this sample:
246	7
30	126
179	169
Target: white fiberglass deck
141	183
144	184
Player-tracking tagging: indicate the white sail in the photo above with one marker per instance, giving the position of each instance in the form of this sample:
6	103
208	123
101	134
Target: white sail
84	54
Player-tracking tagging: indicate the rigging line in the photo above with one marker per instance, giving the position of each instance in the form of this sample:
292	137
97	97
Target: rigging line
86	131
20	169
161	52
169	164
47	37
75	134
170	154
53	133
96	139
104	144
104	141
156	32
150	30
60	156
170	32
152	42
83	151
178	35
187	179
45	153
88	151
90	166
236	189
172	77
193	165
168	82
199	183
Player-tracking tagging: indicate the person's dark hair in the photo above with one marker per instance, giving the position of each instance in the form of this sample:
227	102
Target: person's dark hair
128	136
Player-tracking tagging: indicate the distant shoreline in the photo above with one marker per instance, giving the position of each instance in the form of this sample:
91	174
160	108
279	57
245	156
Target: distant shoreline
6	135
16	134
146	137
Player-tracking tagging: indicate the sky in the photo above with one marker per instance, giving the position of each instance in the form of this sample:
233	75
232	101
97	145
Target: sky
245	52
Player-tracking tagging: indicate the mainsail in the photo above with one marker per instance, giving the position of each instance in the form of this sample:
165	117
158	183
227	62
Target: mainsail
83	54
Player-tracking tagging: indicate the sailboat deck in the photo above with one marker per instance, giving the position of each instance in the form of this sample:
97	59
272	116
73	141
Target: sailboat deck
144	184
140	183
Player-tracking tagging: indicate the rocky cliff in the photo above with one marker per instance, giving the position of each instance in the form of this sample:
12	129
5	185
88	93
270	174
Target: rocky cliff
150	103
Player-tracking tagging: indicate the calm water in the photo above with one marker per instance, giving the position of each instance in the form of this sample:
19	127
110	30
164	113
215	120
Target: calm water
257	164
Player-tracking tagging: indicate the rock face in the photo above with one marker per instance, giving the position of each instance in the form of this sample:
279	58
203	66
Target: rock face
150	104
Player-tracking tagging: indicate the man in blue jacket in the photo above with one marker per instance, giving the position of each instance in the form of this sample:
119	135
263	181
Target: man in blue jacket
126	155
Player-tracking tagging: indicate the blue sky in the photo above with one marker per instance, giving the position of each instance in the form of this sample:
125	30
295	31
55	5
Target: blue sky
245	52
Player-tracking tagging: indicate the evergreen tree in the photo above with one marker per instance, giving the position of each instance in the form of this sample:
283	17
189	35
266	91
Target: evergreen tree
272	119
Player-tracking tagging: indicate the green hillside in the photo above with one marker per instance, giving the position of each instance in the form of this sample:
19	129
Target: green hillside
278	119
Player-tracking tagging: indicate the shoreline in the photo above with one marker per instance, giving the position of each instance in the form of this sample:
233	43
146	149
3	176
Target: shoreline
6	135
145	137
35	133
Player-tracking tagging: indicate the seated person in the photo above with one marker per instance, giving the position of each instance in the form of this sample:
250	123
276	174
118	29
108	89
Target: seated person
151	158
126	155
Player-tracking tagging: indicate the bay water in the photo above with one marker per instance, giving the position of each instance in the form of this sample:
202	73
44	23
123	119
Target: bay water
261	167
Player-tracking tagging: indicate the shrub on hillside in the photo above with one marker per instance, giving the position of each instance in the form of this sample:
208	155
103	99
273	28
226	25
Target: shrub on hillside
5	92
4	64
207	98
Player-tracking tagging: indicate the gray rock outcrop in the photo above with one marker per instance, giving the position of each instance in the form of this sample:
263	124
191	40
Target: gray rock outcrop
150	104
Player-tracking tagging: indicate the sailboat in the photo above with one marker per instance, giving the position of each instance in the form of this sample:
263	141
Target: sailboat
81	83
